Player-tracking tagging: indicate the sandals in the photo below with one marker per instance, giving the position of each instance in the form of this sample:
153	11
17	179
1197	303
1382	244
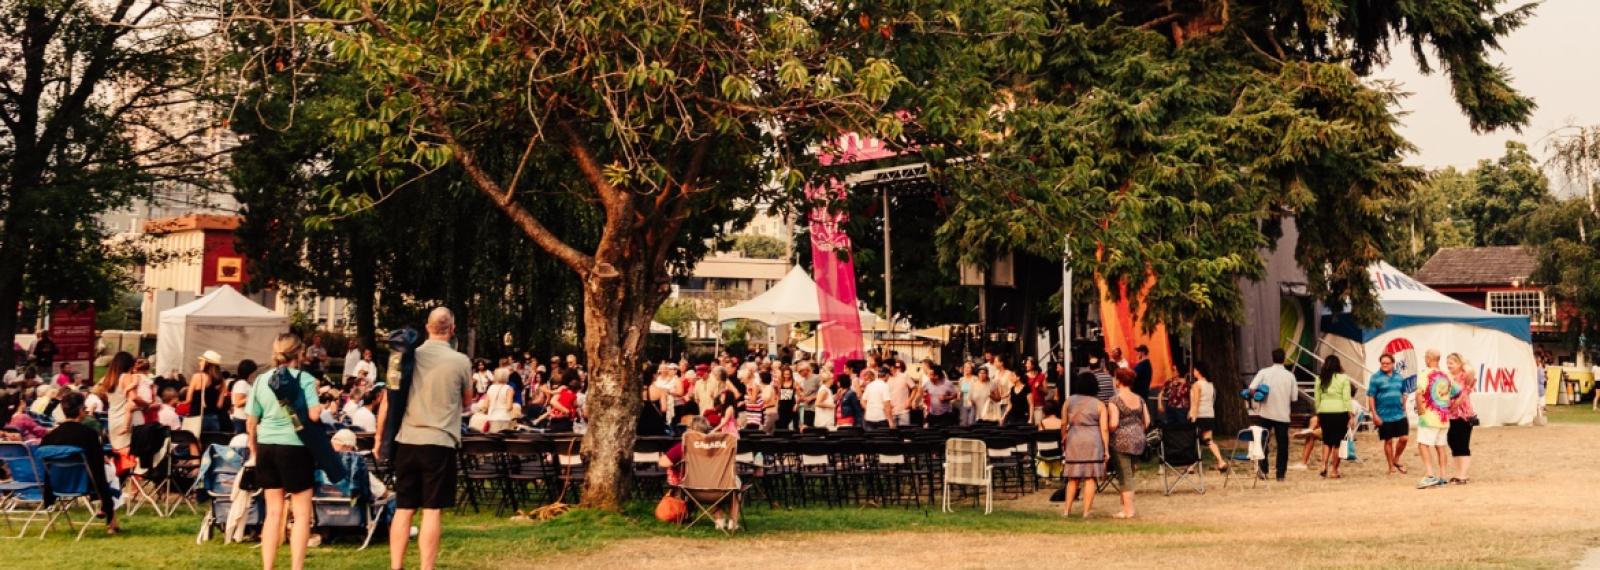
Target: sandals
1458	481
1122	515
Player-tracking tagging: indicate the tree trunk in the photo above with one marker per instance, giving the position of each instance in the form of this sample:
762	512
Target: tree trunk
616	316
1216	343
14	245
363	290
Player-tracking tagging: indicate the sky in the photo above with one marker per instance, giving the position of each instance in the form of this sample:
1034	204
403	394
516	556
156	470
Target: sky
1554	58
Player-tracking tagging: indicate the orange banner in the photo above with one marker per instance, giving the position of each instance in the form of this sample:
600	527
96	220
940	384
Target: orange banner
1121	329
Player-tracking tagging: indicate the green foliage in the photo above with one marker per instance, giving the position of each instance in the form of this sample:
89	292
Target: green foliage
1563	234
83	104
757	246
1430	218
1506	188
1164	139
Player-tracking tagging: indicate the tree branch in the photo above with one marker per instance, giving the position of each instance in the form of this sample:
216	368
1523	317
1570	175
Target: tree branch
579	262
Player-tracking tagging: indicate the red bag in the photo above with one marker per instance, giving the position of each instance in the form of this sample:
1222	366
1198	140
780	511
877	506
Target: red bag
671	509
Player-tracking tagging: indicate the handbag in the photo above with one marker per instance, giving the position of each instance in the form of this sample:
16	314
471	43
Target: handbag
671	509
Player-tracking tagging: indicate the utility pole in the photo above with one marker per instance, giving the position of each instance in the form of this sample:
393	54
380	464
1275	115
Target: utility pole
888	275
1066	305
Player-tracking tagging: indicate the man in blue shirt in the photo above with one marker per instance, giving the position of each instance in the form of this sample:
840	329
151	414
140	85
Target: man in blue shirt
1386	397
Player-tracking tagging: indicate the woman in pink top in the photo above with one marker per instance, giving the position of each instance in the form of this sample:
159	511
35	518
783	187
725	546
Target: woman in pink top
1462	417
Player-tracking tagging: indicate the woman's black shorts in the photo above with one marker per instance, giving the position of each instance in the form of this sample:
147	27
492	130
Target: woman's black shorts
287	467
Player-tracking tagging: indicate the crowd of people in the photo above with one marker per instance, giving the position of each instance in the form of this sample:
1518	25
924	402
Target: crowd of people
1102	410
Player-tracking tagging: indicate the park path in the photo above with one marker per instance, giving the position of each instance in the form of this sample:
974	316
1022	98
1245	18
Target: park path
1534	502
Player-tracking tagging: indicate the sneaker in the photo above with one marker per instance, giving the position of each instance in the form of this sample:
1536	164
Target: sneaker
1429	481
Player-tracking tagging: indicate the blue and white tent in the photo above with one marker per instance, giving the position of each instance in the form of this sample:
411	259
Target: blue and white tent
1497	348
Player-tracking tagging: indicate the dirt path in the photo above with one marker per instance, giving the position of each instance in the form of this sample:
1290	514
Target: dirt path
1532	503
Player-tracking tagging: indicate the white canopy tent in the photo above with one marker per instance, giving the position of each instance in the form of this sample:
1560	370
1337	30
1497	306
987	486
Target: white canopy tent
1496	347
223	320
792	299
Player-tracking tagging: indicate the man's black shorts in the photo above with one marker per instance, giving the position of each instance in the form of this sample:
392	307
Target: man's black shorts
287	467
425	476
1394	429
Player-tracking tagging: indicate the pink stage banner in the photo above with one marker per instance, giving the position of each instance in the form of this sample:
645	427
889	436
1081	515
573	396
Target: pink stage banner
833	265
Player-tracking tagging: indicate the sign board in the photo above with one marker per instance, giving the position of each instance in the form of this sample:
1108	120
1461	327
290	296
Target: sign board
72	329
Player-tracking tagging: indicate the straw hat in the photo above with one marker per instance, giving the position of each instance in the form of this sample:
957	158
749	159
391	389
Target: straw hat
211	357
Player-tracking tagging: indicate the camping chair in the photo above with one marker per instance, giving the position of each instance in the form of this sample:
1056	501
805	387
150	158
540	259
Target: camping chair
150	482
1238	457
710	477
67	478
966	462
350	505
220	467
26	487
1179	449
184	470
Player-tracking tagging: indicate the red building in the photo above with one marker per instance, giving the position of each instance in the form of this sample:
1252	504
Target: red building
199	257
1497	279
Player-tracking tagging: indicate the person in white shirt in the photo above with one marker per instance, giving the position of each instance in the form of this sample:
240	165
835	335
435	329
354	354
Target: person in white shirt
878	410
499	401
985	396
92	404
900	389
167	412
481	377
366	370
239	393
352	359
1273	412
360	413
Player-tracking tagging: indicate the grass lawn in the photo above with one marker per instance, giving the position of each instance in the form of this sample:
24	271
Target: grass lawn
482	540
1577	414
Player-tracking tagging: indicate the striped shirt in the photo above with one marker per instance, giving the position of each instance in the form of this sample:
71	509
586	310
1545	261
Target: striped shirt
1108	386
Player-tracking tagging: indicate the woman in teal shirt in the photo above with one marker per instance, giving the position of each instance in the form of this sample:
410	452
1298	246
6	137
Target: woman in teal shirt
1334	390
284	467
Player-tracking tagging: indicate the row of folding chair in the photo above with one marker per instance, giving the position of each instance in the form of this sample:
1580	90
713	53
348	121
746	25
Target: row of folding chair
54	471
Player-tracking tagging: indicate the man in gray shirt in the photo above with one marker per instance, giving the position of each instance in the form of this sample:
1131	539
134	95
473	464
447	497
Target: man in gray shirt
1273	413
430	432
809	384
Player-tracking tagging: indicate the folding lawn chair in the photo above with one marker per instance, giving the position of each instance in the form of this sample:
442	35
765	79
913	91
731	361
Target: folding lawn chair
151	482
349	505
220	468
69	483
966	462
25	491
710	477
1239	460
1179	451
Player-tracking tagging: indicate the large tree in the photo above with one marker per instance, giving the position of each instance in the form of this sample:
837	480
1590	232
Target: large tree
662	118
1163	140
95	99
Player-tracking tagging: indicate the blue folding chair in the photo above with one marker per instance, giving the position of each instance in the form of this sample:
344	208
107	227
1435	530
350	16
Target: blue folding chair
26	488
68	483
350	505
220	467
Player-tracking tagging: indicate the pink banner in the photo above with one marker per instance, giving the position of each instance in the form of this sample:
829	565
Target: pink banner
833	265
